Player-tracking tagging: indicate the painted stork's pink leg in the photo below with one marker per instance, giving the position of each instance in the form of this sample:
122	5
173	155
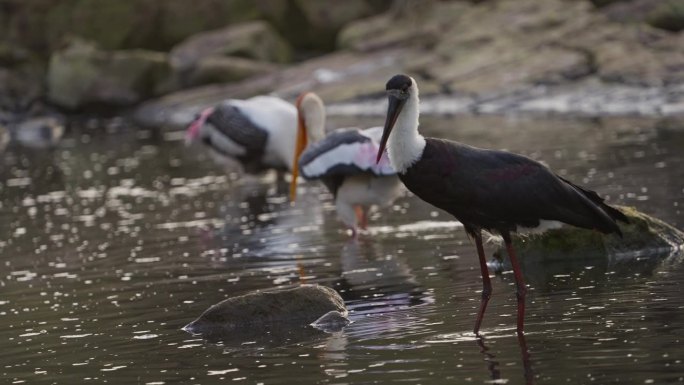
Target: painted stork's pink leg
361	217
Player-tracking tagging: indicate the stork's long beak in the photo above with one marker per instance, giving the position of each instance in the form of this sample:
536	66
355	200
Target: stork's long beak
194	127
393	109
300	145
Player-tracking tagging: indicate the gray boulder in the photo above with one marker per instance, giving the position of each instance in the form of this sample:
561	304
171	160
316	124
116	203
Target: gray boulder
290	308
255	40
224	69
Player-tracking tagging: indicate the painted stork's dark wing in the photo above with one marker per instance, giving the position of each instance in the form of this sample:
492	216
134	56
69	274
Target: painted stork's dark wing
500	190
233	123
343	152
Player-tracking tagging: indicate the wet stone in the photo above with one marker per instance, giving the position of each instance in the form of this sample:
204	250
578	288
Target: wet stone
293	308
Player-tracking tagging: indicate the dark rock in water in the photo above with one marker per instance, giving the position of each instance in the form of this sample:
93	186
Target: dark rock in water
645	236
256	311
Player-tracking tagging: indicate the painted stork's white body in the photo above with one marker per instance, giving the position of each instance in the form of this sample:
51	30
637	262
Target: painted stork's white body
345	161
266	132
258	132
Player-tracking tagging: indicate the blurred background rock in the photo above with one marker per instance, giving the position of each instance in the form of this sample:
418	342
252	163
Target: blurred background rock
80	55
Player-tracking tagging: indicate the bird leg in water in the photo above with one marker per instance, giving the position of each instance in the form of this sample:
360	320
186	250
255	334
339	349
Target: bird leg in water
489	358
527	363
486	284
519	282
361	217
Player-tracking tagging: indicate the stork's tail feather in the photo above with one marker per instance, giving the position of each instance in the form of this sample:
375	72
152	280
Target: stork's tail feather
612	214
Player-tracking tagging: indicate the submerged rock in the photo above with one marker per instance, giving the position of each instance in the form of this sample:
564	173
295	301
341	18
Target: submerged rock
644	236
291	308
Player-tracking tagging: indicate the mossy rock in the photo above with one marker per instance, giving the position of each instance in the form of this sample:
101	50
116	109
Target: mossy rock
668	16
290	308
81	75
644	236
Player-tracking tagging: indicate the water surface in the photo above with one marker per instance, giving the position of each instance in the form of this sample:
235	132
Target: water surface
111	243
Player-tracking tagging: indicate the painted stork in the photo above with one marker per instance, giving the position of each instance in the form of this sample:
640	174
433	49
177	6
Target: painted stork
490	190
258	132
344	160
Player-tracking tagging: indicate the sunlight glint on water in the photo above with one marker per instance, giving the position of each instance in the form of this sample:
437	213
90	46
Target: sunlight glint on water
111	246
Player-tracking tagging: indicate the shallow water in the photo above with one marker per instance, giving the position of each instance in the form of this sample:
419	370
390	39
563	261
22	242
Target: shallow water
111	243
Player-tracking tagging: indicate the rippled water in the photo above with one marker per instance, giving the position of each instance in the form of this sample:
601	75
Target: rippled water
111	243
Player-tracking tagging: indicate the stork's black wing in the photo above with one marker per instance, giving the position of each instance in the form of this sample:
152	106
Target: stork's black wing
501	190
230	121
341	153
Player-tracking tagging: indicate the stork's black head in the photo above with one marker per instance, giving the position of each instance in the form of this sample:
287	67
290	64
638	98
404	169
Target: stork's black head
398	90
400	83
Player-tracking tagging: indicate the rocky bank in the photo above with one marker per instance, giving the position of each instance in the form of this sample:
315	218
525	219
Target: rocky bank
166	59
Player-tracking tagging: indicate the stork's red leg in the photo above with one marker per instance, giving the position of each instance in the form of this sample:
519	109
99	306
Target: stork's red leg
486	284
519	282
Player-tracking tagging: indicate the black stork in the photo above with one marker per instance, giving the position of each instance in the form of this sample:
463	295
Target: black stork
344	160
490	190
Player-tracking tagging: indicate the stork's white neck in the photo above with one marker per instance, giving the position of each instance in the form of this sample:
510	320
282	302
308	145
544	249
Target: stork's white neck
405	145
313	111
